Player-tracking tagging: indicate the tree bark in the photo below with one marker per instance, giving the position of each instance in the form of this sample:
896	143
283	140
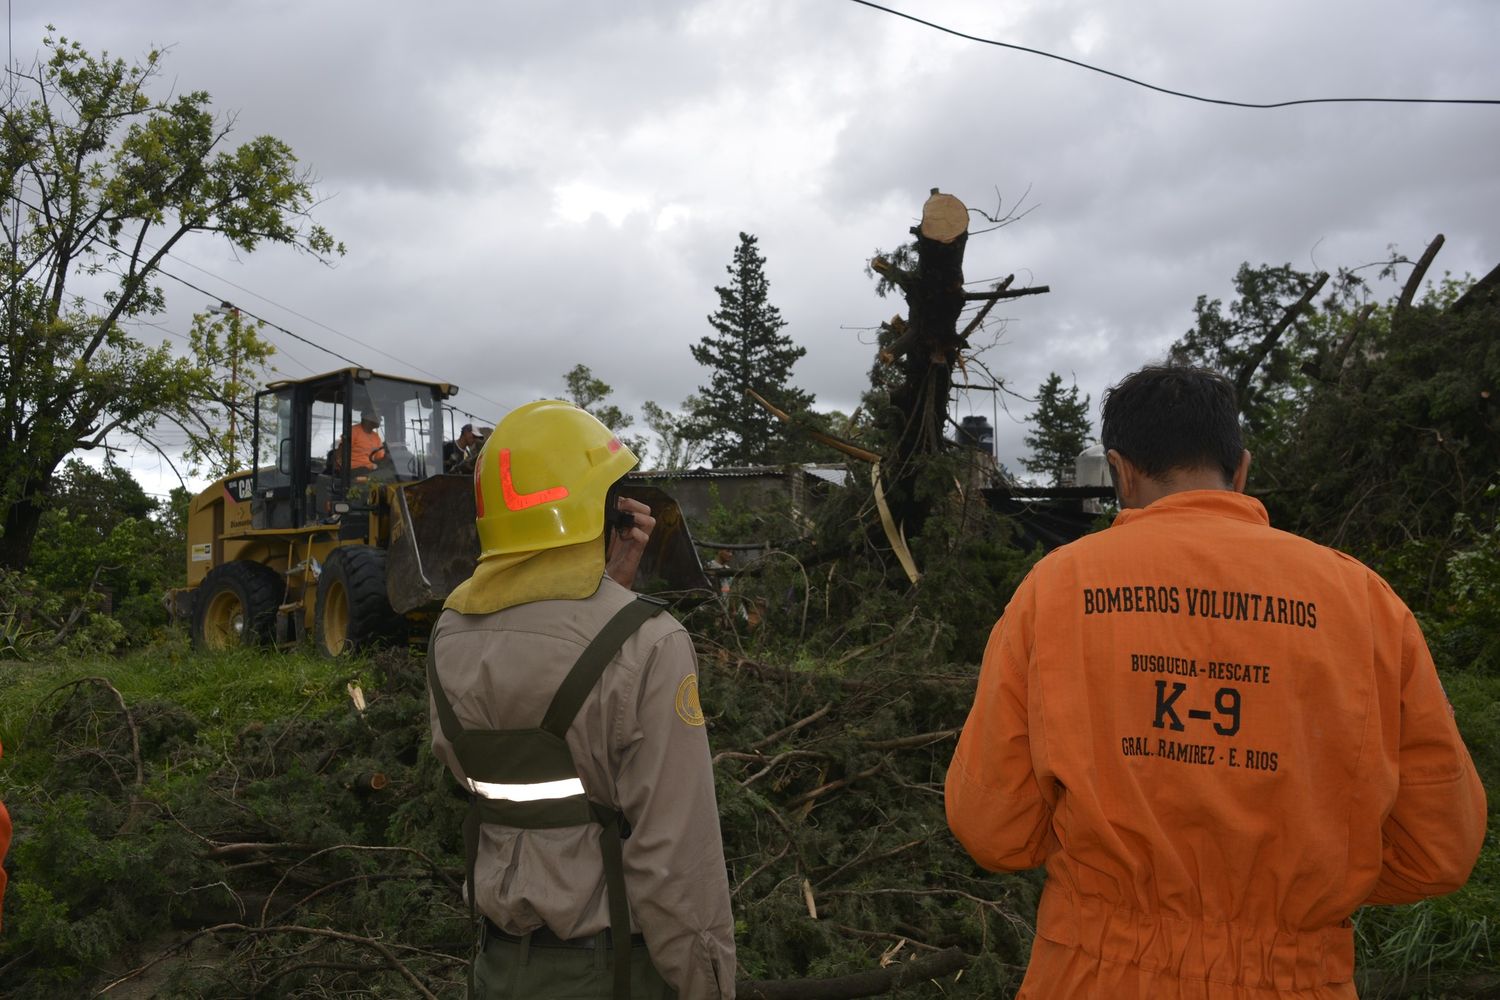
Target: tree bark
22	519
1414	280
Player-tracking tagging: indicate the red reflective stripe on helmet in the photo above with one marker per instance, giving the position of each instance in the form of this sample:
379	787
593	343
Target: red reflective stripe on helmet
520	501
614	445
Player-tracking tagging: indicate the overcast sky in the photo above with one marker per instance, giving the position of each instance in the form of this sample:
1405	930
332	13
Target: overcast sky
523	187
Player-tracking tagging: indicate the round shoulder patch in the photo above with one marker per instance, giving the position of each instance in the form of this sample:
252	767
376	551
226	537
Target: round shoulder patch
689	709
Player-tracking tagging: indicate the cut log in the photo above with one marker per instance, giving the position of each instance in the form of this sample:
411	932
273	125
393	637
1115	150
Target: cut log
944	218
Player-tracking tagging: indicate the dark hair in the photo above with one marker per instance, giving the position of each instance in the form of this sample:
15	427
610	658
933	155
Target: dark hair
466	429
1167	417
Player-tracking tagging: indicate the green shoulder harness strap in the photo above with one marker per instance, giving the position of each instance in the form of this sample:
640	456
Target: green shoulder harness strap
501	763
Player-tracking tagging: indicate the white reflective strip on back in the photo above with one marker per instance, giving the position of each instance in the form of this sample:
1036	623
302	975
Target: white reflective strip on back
528	793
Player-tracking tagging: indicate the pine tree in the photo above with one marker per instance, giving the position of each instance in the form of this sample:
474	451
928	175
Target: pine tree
747	351
1060	430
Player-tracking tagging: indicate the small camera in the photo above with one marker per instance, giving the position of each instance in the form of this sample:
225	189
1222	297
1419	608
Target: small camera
621	521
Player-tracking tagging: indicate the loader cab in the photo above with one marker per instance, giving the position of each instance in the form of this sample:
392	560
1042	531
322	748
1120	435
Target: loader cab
313	463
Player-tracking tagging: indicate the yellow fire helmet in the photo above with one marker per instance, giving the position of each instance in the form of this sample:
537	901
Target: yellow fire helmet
541	478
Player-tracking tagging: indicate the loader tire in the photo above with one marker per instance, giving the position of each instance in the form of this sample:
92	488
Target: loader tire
354	614
236	605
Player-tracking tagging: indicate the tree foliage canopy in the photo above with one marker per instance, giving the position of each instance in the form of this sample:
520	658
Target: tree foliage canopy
1372	424
99	182
588	392
747	351
1234	341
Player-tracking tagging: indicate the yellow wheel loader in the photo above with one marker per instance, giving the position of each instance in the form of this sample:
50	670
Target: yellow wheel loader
348	529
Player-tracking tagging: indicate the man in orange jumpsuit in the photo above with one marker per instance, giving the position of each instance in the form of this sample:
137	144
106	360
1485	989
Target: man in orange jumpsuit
4	846
1220	738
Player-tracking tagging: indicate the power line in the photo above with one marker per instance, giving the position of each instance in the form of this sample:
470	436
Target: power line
165	273
276	326
309	319
303	339
1167	90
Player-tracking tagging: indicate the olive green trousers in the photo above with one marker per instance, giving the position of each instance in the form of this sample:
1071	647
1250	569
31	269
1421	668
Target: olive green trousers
510	970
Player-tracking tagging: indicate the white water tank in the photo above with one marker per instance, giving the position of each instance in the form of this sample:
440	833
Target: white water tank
1091	468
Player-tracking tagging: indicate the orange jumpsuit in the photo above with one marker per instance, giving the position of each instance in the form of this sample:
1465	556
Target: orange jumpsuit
1221	739
4	845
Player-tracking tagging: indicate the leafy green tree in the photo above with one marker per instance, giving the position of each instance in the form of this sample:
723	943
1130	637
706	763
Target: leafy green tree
233	355
675	447
102	536
1060	429
1399	445
590	393
747	351
1235	342
101	182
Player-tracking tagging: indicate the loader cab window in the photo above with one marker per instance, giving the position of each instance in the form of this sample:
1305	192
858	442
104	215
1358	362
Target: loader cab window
327	430
410	427
274	440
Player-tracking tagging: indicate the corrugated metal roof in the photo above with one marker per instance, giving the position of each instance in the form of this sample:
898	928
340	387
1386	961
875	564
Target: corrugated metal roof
836	474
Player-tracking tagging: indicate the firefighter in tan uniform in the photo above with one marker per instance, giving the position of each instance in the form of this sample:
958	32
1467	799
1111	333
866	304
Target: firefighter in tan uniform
1220	739
568	708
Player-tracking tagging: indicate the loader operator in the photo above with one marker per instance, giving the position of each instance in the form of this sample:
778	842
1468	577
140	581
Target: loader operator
365	446
1220	738
567	707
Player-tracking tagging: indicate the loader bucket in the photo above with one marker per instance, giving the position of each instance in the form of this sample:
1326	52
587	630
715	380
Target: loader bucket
670	564
434	544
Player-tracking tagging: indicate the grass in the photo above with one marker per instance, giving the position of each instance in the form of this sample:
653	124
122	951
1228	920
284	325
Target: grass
222	692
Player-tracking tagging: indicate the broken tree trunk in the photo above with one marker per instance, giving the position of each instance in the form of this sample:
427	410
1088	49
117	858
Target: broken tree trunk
1247	371
927	349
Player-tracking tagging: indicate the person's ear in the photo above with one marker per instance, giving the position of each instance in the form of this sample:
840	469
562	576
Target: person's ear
1125	475
1242	472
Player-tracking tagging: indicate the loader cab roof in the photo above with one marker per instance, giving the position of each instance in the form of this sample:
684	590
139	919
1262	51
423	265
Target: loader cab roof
444	390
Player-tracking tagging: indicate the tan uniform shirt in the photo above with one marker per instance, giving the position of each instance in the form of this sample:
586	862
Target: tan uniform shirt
1220	739
640	746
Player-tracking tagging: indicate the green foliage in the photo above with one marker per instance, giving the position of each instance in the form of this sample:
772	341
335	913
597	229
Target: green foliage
108	181
232	360
1059	431
589	393
83	893
37	621
746	352
254	749
101	541
838	587
1230	342
1402	442
675	447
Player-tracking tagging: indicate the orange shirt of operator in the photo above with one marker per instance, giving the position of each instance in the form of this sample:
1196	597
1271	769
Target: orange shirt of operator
365	445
